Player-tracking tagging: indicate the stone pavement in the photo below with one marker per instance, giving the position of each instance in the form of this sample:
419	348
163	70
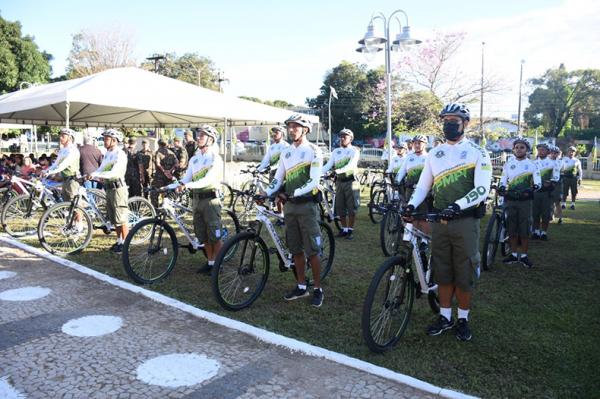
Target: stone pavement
41	356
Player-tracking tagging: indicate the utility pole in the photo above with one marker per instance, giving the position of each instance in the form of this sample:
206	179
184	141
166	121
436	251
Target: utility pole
156	58
481	101
220	79
519	112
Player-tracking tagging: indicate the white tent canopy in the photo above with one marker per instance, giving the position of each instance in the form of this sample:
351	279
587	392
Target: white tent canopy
132	97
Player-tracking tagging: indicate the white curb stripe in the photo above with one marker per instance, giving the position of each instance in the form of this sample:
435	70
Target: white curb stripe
263	335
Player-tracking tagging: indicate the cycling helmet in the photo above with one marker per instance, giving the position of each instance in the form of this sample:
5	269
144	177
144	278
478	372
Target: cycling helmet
69	132
522	140
299	119
209	131
401	145
113	133
347	132
421	138
572	148
555	149
278	129
457	109
543	145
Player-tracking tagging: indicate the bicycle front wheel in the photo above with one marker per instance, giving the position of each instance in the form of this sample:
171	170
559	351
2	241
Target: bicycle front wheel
240	271
390	231
20	216
226	194
378	200
491	242
65	229
388	305
150	251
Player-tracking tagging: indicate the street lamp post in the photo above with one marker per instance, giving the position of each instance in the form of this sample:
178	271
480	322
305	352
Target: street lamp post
372	43
519	111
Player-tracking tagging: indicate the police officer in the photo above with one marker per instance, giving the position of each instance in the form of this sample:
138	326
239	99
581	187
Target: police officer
344	161
112	171
132	174
571	175
459	173
145	161
298	176
542	200
182	156
190	143
166	164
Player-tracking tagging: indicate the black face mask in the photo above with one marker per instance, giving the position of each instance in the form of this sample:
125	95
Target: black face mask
452	130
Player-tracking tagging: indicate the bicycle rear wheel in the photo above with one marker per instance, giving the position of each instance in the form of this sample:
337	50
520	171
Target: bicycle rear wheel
150	251
388	305
139	208
491	241
391	229
60	233
240	271
378	200
226	194
20	216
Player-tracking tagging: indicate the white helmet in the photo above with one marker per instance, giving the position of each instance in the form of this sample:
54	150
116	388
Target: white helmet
299	119
347	132
113	133
69	132
209	131
421	138
279	129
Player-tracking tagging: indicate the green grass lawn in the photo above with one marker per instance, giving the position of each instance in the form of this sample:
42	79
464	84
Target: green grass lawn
536	332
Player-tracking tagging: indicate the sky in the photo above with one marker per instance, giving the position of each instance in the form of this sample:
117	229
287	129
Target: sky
283	49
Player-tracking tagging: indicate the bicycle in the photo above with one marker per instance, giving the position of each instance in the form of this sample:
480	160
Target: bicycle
388	304
151	248
21	214
391	228
496	233
382	193
61	231
327	202
368	177
242	266
257	184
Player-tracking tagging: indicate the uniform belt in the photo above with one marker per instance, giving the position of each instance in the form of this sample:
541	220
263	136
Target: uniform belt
344	179
112	185
303	199
204	194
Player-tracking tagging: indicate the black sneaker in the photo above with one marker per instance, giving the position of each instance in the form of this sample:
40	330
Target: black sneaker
116	248
342	233
206	269
526	262
463	332
563	206
510	259
317	299
442	324
559	221
535	236
295	294
349	236
544	237
572	207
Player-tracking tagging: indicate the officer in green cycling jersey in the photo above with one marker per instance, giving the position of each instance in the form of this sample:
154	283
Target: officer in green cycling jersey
409	174
571	175
520	177
556	154
542	199
344	161
459	174
298	176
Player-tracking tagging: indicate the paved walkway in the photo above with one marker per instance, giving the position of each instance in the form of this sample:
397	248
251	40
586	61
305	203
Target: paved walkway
136	347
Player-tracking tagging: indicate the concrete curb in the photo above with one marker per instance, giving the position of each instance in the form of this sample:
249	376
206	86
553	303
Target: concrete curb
263	335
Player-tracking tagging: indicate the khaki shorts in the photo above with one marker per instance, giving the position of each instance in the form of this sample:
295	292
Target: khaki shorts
117	208
70	188
347	198
207	218
302	230
455	252
542	206
518	218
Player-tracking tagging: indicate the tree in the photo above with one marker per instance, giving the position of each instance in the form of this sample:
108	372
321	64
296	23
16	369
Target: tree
97	51
359	104
431	66
558	94
20	58
275	103
190	67
417	112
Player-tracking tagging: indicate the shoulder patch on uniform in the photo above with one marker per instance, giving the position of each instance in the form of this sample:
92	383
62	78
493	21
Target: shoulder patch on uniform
439	154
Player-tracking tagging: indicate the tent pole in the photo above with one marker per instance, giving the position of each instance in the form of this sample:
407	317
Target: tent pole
224	149
67	106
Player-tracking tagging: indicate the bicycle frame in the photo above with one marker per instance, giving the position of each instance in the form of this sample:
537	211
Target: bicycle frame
168	208
324	187
413	235
262	216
